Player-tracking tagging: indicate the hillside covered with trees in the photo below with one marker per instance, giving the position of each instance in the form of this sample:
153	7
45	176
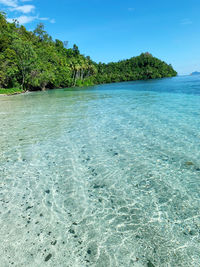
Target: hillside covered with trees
34	61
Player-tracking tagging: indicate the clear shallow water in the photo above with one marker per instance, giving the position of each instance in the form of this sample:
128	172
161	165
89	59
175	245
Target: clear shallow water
103	176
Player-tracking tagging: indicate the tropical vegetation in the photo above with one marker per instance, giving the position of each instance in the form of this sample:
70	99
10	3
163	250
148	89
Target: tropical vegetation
32	60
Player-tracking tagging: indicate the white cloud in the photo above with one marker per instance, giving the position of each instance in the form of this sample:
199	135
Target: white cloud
186	22
22	19
14	6
10	3
52	21
27	19
48	19
24	9
44	19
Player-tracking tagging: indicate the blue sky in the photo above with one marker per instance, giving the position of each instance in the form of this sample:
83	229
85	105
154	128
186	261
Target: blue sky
111	30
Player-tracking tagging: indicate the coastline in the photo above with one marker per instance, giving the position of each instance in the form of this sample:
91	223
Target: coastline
27	91
15	93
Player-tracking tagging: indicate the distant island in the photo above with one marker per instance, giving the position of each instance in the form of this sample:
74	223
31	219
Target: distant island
32	60
195	73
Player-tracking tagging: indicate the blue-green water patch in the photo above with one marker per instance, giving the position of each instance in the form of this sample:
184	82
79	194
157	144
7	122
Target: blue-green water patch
102	176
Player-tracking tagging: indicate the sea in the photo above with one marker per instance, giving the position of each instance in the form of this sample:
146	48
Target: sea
103	176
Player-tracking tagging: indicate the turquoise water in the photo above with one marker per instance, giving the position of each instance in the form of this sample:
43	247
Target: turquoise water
103	176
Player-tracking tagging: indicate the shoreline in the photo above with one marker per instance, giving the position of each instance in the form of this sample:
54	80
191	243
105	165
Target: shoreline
27	91
16	93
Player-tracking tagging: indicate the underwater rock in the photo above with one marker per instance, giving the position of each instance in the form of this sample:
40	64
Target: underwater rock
71	231
97	186
29	207
150	264
192	232
47	191
53	242
48	257
89	251
189	163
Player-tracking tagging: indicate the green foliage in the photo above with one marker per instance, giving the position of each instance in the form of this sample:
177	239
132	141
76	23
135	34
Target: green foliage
33	61
25	60
10	91
142	67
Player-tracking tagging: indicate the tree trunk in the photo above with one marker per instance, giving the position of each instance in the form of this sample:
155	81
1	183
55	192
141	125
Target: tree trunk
23	82
74	78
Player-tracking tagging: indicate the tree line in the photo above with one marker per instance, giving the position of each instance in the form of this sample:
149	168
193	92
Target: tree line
32	60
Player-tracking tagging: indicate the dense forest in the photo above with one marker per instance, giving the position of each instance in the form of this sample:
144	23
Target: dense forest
34	61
